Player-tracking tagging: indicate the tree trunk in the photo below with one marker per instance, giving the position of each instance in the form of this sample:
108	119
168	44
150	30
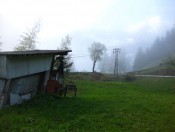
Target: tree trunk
93	66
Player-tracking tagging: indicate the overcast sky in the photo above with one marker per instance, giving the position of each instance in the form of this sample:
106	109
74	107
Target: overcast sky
125	24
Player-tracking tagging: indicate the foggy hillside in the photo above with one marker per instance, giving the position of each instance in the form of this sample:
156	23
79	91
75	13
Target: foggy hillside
161	51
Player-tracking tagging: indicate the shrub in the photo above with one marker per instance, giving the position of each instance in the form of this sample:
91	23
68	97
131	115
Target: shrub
129	77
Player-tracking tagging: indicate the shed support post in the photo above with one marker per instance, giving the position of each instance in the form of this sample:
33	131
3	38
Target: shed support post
5	95
47	76
52	64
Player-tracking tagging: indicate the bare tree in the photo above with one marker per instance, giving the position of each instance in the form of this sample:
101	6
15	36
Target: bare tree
29	39
0	44
66	45
96	51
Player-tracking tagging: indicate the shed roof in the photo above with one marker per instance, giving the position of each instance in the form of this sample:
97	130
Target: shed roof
34	52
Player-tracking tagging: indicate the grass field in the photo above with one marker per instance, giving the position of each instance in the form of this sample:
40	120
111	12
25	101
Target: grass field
141	105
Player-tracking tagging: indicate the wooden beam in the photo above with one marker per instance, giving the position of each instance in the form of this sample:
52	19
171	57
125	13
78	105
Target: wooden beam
47	76
5	95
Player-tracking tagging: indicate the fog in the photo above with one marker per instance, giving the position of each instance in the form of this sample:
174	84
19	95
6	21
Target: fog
126	24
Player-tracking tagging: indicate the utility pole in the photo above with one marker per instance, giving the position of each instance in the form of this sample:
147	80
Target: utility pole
116	51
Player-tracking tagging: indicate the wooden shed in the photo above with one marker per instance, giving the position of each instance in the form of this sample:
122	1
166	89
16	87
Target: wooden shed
23	74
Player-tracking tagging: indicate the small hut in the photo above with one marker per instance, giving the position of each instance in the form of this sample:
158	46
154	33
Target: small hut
23	74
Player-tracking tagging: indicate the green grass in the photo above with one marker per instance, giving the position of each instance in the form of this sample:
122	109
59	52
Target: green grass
141	105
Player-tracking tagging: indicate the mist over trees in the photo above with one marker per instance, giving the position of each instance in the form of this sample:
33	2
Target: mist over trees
96	50
66	45
0	44
162	49
29	39
139	60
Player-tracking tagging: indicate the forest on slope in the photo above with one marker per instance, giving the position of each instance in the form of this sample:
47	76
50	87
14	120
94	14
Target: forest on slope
162	51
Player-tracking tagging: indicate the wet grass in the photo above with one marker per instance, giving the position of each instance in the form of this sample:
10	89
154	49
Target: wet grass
141	105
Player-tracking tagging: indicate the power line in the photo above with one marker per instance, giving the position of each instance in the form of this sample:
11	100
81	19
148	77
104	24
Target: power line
78	56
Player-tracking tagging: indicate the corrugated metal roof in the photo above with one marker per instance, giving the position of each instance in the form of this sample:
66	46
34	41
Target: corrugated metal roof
35	52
